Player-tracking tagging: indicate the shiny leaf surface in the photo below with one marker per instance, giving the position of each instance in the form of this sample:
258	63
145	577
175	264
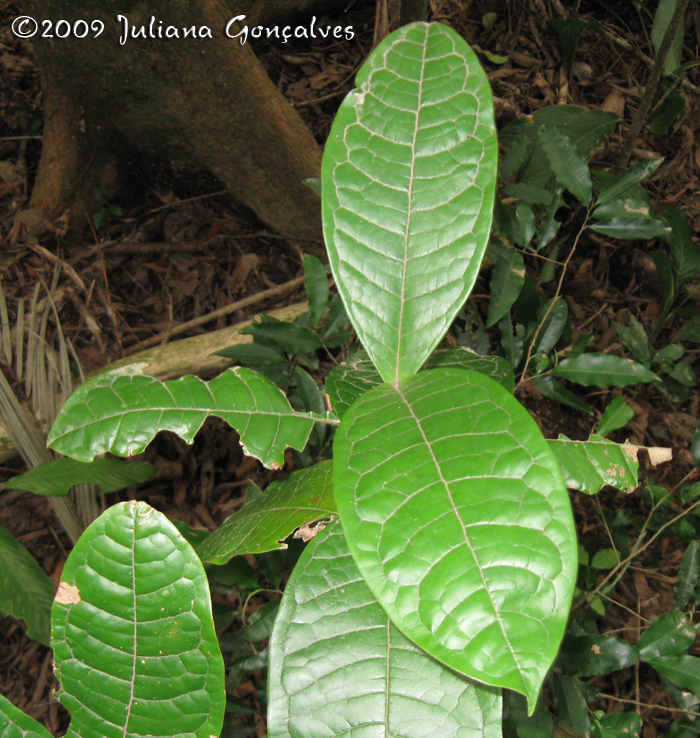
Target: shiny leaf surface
603	370
409	173
458	518
357	375
590	465
134	642
617	414
303	497
121	411
338	667
568	165
590	655
668	635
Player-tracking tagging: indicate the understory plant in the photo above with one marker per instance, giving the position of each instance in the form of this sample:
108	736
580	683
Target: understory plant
442	559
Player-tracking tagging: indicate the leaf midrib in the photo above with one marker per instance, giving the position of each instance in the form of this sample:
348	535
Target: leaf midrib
409	212
464	531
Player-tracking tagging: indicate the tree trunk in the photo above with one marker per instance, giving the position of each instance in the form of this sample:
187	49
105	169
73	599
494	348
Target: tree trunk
205	103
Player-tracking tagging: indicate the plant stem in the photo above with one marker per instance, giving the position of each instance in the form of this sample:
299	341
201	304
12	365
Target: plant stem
652	83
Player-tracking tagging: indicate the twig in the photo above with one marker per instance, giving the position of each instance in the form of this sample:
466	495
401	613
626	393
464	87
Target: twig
227	310
603	695
653	82
554	299
65	266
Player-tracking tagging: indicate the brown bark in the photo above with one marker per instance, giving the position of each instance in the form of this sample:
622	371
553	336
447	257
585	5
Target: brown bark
205	103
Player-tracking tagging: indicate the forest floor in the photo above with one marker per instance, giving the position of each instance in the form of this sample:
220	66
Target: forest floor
186	252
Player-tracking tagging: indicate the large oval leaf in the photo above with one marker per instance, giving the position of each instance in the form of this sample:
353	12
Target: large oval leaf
458	518
121	411
339	667
409	173
134	641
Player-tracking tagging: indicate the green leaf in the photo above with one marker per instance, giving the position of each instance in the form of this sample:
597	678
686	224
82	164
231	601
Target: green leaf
134	642
568	165
683	671
261	622
551	389
302	498
17	724
528	193
507	280
617	414
584	128
635	339
684	251
315	184
432	481
557	312
316	285
618	725
590	655
292	337
56	477
603	370
668	635
588	466
688	575
513	343
121	411
357	375
409	174
662	18
605	559
632	177
254	354
568	33
690	331
25	590
339	667
631	227
629	206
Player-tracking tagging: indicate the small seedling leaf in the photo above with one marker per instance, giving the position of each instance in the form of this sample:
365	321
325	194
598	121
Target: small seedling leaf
617	414
568	165
603	370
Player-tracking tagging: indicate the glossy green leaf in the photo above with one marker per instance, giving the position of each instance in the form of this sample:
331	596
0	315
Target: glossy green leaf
56	477
252	354
507	280
315	184
409	174
458	518
629	206
572	710
553	390
631	227
292	337
134	642
316	284
17	724
568	165
683	671
588	466
584	128
263	523
632	177
617	414
668	635
339	667
684	251
555	314
688	575
618	725
603	370
590	655
357	375
121	411
261	622
25	590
